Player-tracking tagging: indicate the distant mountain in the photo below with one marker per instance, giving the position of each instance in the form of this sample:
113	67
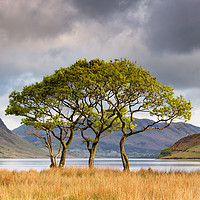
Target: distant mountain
186	148
146	144
13	146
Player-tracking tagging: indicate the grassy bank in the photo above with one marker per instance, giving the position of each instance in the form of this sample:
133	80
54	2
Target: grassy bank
82	183
190	153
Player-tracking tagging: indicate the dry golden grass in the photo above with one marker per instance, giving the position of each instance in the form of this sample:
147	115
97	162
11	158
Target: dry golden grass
82	183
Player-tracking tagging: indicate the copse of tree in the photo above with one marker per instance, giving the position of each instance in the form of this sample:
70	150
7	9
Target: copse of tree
101	96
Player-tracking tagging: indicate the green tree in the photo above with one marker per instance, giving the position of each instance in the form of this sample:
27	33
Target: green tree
102	122
45	112
165	152
135	91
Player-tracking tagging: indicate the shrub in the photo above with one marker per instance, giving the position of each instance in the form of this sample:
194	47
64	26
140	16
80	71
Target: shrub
165	152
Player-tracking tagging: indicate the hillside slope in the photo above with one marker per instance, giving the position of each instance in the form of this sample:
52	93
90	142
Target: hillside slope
13	146
186	148
187	142
146	144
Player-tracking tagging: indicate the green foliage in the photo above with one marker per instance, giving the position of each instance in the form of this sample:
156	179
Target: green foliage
165	152
102	96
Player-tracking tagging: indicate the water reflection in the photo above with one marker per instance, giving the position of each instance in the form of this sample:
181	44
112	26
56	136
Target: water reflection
113	163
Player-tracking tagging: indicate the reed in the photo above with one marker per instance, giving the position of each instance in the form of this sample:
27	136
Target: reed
84	183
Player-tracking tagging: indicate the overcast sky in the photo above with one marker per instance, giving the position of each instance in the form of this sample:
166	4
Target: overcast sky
40	36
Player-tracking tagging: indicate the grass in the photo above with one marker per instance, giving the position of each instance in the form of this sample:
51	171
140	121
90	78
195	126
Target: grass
192	153
195	149
96	184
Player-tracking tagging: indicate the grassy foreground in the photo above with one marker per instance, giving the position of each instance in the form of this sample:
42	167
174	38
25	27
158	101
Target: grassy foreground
82	183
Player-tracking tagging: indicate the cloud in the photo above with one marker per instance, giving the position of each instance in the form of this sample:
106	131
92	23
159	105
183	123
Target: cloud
37	37
103	10
21	20
42	37
173	26
182	71
38	20
35	34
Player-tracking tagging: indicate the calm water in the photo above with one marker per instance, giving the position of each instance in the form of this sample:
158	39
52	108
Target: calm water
114	163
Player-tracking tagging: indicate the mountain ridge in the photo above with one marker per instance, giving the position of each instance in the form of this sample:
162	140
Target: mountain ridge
13	146
145	144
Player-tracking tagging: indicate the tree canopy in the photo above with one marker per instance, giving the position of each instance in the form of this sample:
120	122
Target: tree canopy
101	96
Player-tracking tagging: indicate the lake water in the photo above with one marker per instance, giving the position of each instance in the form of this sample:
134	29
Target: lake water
113	163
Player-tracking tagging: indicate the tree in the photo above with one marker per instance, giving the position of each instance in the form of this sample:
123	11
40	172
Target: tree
102	122
134	91
45	136
44	111
165	152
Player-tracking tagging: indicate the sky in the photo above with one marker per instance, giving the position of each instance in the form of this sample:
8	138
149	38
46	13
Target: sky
40	36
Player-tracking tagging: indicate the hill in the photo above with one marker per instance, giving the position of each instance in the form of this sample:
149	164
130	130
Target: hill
146	144
13	146
186	148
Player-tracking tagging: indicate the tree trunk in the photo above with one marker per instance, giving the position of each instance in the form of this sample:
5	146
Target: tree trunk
124	157
65	147
92	155
53	162
63	156
59	151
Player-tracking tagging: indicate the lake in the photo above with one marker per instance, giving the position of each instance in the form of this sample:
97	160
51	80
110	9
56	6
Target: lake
113	163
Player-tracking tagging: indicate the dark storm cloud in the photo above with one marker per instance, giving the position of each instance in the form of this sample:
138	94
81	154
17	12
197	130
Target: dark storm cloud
173	26
38	19
181	72
101	10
